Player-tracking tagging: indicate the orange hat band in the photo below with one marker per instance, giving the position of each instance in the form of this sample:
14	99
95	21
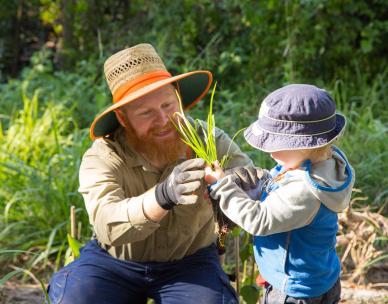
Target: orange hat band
139	83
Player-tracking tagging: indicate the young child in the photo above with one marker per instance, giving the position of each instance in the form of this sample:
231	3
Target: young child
295	223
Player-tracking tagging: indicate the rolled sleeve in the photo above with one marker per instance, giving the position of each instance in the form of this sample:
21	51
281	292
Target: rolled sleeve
116	219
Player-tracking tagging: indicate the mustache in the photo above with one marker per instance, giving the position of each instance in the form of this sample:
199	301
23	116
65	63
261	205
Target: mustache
167	127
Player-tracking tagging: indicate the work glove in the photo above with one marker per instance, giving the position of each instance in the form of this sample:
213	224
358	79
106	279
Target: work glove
248	177
178	188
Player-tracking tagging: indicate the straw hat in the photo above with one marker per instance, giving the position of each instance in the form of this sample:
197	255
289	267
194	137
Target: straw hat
137	71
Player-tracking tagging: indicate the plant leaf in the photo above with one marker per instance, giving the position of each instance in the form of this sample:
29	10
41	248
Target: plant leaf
74	245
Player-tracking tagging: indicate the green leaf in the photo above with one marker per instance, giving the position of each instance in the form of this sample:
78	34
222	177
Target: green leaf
236	231
373	261
9	275
74	245
205	148
246	251
69	259
250	294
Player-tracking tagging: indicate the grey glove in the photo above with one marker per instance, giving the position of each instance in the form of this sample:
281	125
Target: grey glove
179	186
249	177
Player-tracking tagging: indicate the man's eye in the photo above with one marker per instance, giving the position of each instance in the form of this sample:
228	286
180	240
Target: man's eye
167	105
147	113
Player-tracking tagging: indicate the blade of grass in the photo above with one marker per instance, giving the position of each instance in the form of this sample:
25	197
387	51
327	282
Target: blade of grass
205	148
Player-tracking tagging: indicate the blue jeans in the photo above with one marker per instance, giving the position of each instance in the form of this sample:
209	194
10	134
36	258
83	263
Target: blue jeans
97	277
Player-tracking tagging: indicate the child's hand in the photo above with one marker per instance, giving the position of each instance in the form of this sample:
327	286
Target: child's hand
248	177
213	173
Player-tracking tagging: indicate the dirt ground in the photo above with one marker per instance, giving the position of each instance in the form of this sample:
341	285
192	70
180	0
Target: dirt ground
12	293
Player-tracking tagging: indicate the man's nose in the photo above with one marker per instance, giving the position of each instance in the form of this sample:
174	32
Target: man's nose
163	118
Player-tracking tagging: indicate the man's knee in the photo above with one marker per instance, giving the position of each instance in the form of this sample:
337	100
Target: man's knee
58	287
72	285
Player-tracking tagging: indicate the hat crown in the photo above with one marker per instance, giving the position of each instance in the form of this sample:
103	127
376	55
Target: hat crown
297	116
298	109
131	63
298	102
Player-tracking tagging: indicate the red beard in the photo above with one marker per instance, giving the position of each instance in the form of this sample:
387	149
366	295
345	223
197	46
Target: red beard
164	152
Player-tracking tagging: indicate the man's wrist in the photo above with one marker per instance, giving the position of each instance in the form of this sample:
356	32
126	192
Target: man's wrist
162	197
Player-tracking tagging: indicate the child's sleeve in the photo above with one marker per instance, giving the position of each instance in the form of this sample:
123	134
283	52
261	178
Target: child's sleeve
286	208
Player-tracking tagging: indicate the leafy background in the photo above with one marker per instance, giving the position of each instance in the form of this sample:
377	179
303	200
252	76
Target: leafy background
52	85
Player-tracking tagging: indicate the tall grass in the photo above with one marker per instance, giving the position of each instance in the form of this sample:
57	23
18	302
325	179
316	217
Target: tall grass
366	139
39	161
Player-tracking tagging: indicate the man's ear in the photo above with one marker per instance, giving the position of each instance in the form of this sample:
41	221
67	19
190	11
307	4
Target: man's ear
120	117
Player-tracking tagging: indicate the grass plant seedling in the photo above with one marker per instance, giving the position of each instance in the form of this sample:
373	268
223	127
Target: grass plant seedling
204	146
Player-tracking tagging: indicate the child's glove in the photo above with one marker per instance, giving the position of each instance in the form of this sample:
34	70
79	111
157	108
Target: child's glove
248	177
179	186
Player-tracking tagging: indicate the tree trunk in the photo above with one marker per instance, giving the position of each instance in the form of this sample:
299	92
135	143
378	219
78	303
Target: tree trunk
16	56
69	43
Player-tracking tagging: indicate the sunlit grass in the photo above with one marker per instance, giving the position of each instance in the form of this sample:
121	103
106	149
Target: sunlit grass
191	133
39	164
198	136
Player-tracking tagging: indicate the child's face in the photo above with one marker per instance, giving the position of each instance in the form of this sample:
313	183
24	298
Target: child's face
289	159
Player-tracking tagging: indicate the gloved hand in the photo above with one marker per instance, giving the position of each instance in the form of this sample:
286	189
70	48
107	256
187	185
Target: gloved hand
248	177
179	186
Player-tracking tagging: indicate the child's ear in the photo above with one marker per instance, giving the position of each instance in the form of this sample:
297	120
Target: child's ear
120	117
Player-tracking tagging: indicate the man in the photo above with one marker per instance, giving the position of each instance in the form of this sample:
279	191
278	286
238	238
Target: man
144	193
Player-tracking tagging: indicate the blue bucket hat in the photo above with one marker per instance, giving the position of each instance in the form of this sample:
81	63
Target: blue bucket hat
296	116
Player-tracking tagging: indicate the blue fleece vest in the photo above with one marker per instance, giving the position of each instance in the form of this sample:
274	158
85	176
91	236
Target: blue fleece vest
303	262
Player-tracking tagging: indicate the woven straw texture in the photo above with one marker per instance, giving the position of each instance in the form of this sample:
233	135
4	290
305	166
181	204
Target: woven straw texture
131	63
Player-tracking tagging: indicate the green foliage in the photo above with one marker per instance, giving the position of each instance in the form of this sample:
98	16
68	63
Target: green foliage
74	247
200	138
192	135
265	42
364	105
82	92
252	48
250	294
38	172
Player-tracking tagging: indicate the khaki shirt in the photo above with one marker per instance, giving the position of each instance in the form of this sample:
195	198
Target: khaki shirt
114	181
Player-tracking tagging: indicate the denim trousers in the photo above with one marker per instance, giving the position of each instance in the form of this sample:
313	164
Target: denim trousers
275	296
97	277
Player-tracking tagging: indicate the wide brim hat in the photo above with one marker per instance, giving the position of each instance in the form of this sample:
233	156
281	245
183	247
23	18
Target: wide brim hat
295	117
137	71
